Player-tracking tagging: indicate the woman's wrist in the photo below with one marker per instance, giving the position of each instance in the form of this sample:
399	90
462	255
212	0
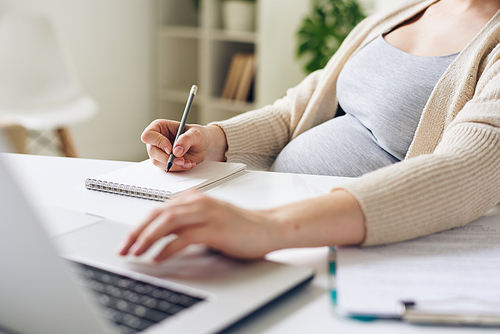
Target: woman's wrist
330	220
218	143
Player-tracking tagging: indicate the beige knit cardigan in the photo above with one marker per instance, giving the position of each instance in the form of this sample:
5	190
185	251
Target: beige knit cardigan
451	174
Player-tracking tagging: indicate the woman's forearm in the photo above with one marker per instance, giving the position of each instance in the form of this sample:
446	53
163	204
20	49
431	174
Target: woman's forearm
333	219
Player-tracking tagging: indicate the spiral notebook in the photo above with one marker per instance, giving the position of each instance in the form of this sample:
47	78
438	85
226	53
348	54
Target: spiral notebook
144	180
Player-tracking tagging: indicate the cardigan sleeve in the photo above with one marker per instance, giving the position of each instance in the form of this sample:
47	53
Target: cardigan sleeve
450	187
256	137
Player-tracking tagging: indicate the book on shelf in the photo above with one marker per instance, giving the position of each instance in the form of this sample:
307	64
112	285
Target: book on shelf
234	71
240	76
246	78
144	180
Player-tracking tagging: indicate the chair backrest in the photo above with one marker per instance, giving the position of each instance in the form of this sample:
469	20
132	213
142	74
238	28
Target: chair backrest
35	68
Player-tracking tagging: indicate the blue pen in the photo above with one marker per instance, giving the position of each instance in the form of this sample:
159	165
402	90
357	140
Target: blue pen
332	258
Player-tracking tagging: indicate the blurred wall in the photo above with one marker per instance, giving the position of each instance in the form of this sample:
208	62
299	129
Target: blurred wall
280	71
111	41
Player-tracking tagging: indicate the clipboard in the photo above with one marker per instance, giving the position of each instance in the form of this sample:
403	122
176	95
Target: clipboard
449	312
450	277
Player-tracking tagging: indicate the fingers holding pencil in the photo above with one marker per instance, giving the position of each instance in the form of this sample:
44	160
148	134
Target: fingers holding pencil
190	149
176	146
159	139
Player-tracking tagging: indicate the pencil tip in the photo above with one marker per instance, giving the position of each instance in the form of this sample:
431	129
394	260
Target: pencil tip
169	165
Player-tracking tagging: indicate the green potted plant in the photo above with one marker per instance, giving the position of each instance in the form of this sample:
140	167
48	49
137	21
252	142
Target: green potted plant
238	15
197	4
324	29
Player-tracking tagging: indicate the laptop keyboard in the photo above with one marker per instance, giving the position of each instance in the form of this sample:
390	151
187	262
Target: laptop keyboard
131	304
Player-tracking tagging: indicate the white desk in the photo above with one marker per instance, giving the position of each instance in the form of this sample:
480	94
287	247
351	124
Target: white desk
59	182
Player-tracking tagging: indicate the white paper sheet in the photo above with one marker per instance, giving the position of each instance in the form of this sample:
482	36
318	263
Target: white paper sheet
446	269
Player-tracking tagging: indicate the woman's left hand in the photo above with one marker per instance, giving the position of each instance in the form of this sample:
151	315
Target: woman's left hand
199	219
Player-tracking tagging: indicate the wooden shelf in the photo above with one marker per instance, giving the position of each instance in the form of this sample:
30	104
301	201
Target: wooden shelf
176	95
179	32
231	105
234	36
193	48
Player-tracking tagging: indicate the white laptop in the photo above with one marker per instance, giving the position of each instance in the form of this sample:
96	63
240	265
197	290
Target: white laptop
76	282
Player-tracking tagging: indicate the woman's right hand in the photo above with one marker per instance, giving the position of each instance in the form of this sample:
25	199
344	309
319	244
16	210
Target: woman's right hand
196	144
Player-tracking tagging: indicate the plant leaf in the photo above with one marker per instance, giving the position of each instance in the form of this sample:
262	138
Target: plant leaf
323	31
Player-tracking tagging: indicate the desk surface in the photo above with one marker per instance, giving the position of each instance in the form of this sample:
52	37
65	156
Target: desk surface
59	182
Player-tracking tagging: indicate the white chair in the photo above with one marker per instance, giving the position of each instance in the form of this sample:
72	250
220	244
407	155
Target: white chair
39	88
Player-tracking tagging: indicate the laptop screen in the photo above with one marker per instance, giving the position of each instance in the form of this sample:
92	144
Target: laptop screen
37	292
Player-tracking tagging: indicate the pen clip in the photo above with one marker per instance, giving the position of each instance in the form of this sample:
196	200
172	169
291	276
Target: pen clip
413	312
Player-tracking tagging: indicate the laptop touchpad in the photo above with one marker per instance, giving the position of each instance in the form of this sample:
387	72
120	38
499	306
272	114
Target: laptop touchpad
99	243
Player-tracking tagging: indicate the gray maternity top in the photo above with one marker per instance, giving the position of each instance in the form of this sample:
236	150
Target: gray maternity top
382	91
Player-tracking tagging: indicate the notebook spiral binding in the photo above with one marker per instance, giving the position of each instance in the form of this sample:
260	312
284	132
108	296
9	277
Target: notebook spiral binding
127	190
